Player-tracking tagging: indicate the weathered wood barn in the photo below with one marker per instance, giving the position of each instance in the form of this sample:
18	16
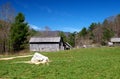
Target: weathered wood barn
46	44
115	41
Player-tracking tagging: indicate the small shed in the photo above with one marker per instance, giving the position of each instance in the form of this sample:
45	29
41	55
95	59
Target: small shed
46	44
67	46
115	41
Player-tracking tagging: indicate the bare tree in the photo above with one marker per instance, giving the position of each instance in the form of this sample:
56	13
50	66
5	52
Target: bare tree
7	14
46	32
117	25
47	28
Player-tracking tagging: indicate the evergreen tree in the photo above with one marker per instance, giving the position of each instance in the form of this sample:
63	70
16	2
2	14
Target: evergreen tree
71	39
83	32
92	27
107	34
19	33
62	34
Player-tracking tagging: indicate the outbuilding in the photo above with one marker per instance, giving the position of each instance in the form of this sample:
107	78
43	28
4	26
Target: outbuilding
115	41
46	44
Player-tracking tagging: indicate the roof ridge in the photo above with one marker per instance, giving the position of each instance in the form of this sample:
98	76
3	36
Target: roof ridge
45	39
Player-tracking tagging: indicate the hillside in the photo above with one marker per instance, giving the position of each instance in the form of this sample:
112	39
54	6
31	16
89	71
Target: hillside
100	33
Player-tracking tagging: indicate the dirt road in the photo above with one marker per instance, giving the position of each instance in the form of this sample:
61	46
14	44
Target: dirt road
10	58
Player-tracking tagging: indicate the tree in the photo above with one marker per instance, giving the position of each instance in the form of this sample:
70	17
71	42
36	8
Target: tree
71	39
98	32
62	34
107	34
91	29
106	24
47	31
47	28
117	25
33	32
92	26
83	32
19	33
7	14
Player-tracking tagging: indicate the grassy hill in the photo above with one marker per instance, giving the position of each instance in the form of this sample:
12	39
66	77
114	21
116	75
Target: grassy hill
89	63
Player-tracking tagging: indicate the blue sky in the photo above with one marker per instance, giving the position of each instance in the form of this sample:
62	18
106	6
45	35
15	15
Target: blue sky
65	15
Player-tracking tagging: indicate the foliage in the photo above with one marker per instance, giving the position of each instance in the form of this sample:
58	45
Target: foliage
7	15
92	27
100	33
33	32
107	34
71	39
62	34
83	32
19	33
89	63
117	25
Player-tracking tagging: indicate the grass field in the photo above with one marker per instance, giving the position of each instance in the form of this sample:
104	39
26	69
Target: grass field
88	63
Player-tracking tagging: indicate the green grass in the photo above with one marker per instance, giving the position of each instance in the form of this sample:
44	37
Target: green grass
89	63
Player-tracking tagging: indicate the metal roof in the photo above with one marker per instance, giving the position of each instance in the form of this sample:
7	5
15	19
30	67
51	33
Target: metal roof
45	39
68	45
115	39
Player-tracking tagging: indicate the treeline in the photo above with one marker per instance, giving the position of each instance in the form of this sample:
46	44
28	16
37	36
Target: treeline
99	33
14	31
96	33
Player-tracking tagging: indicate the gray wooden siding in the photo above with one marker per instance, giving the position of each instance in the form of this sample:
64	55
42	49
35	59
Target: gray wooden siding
115	40
44	47
46	44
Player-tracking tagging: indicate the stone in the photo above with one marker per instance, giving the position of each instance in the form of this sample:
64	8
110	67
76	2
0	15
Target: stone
39	59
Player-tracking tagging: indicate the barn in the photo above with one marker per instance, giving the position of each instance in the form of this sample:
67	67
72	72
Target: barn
46	44
115	41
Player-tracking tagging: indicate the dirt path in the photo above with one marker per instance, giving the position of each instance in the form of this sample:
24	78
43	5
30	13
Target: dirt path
10	58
